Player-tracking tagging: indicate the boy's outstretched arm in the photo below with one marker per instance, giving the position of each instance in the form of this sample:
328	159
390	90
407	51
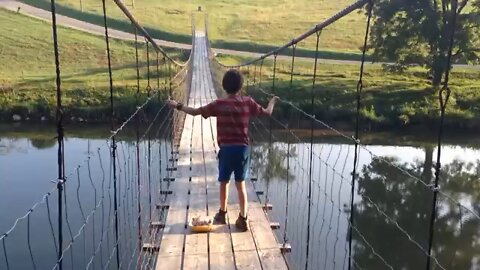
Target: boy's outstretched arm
271	105
181	107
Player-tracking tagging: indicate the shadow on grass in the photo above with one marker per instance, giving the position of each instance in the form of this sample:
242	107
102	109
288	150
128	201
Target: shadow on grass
96	71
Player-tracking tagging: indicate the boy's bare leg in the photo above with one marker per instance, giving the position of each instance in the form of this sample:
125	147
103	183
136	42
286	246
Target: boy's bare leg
242	197
223	195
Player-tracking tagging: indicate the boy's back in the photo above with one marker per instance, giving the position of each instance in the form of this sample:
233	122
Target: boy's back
233	114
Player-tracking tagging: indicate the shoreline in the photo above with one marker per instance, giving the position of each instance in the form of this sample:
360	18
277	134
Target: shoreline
405	137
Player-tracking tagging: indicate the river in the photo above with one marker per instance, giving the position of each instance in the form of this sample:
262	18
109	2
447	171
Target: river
392	202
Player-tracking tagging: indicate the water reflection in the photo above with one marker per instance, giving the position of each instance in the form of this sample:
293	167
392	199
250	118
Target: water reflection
28	163
27	168
43	143
269	161
384	188
409	203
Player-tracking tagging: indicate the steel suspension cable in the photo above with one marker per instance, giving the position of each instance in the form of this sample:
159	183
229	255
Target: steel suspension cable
255	75
149	143
60	138
312	126
158	76
294	48
287	192
172	121
357	139
142	30
267	199
443	97
137	147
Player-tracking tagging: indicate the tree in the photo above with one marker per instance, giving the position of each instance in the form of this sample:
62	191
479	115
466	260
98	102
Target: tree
418	32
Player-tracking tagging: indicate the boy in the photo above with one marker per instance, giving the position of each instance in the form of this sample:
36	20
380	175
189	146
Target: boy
233	113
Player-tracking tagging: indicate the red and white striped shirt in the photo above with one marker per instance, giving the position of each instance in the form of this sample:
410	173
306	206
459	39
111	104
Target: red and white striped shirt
233	114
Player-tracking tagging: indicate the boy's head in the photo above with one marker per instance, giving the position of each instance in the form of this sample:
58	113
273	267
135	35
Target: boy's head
232	81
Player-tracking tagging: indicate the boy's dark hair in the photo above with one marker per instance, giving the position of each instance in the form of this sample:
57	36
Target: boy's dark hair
232	81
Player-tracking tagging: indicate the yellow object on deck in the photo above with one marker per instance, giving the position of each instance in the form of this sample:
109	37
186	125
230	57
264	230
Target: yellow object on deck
201	224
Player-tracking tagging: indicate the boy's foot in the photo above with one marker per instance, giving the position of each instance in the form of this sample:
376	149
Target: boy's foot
220	217
242	223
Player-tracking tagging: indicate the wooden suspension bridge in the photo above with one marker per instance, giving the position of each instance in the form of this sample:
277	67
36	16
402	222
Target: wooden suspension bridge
195	191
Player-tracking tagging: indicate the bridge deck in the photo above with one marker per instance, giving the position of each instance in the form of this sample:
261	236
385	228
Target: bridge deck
195	192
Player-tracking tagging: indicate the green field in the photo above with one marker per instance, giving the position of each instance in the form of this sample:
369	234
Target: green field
235	24
389	100
27	73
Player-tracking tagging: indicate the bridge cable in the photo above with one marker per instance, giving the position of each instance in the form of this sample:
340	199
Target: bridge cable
287	190
357	125
149	229
312	126
443	97
60	134
248	78
149	138
158	75
137	147
113	140
294	48
172	118
267	199
254	74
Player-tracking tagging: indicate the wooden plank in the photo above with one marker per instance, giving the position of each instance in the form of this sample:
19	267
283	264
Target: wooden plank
267	246
196	244
247	259
272	259
171	249
262	243
199	262
220	242
173	262
222	261
244	249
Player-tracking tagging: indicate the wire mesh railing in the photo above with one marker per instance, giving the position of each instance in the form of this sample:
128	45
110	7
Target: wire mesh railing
118	182
338	179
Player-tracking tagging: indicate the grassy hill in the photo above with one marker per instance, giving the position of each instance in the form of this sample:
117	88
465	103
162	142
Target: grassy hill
27	72
390	100
234	24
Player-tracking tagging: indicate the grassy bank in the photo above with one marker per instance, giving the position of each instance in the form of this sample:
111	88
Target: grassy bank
46	133
389	100
27	73
240	25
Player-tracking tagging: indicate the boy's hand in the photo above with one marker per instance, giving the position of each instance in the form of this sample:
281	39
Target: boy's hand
172	103
274	99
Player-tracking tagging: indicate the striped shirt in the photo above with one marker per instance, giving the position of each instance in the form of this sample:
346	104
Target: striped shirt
233	114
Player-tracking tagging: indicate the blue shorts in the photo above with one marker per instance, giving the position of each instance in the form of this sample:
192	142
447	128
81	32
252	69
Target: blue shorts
233	158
